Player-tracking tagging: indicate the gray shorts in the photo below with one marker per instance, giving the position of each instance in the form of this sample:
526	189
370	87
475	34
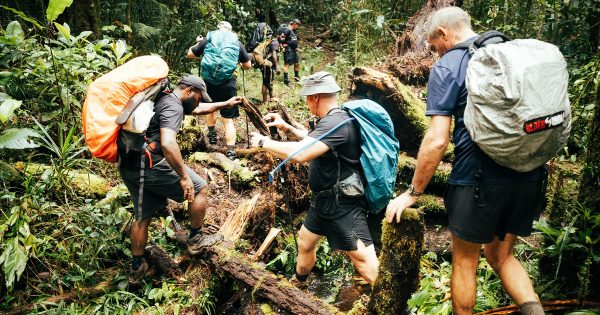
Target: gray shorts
160	182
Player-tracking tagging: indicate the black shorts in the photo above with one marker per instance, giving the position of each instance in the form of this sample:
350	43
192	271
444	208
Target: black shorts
160	182
290	56
222	93
478	214
267	76
343	231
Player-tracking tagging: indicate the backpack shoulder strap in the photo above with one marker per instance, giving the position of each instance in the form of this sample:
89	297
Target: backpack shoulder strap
487	38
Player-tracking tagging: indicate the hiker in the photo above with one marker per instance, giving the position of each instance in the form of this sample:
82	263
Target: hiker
342	219
221	51
286	34
264	52
164	174
486	203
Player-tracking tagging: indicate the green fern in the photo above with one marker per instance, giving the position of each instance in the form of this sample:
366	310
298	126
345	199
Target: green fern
145	31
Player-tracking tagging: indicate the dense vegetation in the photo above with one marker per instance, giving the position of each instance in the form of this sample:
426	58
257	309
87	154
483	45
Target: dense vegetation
56	235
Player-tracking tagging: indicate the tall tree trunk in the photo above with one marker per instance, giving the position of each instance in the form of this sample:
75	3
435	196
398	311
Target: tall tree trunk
85	16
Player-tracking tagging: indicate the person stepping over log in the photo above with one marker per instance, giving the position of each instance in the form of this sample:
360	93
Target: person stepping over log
334	158
221	51
163	174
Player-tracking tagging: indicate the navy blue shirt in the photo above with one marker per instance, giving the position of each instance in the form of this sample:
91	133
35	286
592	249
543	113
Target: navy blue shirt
447	96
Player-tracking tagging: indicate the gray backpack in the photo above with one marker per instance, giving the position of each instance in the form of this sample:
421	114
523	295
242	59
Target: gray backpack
518	110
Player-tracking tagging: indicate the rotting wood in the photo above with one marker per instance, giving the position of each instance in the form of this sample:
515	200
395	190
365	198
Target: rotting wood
255	116
240	175
236	222
265	244
406	110
400	259
264	283
163	262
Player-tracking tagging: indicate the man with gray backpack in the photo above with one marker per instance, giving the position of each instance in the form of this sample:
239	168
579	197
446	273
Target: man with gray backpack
511	115
221	51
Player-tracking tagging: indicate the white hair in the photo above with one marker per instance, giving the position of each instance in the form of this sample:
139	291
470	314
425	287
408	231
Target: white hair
224	25
451	18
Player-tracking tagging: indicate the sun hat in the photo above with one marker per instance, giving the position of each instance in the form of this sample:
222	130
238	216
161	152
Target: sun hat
318	83
225	25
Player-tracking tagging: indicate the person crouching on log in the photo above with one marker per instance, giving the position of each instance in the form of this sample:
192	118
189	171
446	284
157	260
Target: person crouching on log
342	219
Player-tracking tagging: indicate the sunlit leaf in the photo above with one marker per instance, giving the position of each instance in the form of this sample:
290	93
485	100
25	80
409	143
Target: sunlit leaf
18	138
7	109
56	8
14	31
65	30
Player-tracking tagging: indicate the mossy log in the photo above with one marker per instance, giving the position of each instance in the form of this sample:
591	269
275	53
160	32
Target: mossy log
406	110
431	205
8	173
439	181
264	283
241	176
255	116
399	267
159	258
191	136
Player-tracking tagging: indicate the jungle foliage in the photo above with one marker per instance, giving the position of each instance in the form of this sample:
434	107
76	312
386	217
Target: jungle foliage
53	240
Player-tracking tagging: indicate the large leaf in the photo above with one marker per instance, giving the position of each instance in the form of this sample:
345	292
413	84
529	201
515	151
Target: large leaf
55	8
15	261
14	31
23	16
7	109
65	30
18	138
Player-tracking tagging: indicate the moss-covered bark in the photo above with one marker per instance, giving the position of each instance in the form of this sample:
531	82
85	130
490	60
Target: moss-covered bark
438	183
240	175
191	136
399	264
406	110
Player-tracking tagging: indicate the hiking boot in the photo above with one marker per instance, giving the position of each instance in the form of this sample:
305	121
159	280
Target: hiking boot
297	79
200	241
231	155
302	285
212	137
136	276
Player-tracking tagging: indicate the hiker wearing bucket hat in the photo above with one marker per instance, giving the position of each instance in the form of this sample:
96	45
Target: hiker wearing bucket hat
163	173
339	216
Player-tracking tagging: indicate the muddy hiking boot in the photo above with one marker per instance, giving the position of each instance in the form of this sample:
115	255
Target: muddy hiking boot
135	276
212	137
231	155
301	284
200	241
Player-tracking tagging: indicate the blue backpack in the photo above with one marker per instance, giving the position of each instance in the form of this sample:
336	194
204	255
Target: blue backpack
379	147
221	56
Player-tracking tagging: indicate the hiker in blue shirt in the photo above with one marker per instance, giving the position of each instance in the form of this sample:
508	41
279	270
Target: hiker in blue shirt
336	157
487	204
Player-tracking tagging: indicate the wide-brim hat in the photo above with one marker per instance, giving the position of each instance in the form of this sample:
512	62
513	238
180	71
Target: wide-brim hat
225	25
319	83
198	83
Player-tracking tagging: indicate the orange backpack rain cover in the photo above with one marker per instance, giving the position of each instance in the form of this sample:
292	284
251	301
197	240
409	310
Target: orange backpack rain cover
107	96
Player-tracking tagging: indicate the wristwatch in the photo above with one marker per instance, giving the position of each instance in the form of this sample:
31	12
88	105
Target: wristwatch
261	142
412	192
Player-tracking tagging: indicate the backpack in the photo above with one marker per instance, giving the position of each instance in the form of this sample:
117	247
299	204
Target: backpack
518	110
221	56
261	33
262	54
379	146
110	94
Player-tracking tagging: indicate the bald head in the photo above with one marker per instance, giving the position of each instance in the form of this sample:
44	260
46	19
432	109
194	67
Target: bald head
453	19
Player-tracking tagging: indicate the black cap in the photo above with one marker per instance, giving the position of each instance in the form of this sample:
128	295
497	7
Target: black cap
295	21
198	83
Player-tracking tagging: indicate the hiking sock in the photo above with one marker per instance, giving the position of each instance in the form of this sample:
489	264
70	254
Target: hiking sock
194	231
532	308
137	261
296	76
302	278
231	148
286	79
211	129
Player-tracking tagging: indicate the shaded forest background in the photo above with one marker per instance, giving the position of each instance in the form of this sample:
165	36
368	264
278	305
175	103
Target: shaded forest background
54	236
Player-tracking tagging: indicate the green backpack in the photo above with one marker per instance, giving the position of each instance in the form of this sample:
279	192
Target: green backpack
220	56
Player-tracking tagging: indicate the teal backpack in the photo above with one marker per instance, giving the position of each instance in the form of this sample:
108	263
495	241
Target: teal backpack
221	56
379	146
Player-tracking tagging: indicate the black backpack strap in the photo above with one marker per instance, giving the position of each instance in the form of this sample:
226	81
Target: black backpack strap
487	38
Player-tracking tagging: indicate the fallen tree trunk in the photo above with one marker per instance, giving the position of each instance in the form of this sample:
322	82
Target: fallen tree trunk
405	109
255	116
414	58
437	184
240	175
264	283
400	262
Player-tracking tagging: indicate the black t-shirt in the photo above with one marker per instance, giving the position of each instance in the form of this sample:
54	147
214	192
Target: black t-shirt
168	113
198	51
322	171
290	39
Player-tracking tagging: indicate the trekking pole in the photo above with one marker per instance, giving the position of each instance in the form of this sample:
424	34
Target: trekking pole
244	91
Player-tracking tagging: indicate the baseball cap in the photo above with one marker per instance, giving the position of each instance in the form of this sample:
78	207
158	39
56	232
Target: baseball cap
198	83
320	82
295	21
225	24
